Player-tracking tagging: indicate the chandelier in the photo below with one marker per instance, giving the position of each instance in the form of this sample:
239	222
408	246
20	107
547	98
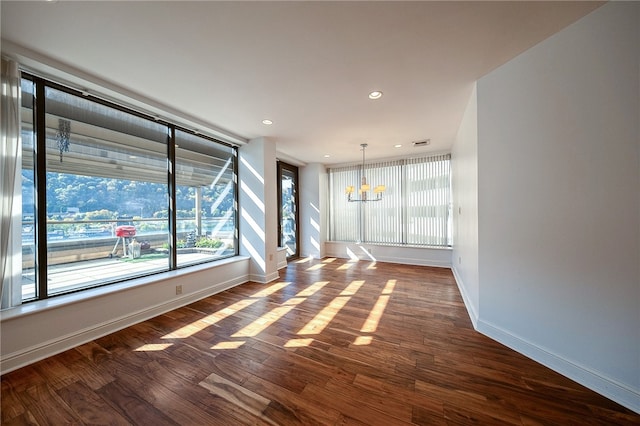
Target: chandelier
363	192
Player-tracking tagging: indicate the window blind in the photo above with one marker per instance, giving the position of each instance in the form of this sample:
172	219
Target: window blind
414	210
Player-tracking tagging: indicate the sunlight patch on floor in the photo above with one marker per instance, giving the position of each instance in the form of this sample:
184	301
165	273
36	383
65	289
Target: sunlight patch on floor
312	289
199	325
325	316
294	301
152	347
363	340
271	289
352	288
257	326
316	267
345	266
315	326
298	343
371	324
388	288
228	345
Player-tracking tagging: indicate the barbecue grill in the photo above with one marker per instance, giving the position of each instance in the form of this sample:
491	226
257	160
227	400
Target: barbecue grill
124	233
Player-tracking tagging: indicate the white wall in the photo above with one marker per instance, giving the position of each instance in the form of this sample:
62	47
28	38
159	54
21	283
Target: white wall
438	257
36	330
313	210
258	203
464	185
559	202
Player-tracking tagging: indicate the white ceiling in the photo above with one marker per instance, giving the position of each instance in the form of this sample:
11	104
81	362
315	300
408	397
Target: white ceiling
308	66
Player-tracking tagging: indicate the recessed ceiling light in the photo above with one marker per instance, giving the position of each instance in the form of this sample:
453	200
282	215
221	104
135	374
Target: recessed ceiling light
267	122
327	156
375	94
397	145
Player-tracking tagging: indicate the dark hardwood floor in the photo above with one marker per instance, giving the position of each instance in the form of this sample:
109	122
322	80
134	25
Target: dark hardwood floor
331	343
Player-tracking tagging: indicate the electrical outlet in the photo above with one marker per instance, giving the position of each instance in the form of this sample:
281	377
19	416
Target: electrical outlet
179	289
459	260
270	257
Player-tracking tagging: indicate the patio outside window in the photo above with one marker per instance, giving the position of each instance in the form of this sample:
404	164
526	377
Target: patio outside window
107	190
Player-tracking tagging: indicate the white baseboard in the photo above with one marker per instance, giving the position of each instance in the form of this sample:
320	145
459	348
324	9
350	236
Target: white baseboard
405	255
413	261
264	279
282	258
593	380
471	310
16	360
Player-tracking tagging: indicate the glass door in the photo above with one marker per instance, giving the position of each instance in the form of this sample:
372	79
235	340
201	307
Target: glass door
288	208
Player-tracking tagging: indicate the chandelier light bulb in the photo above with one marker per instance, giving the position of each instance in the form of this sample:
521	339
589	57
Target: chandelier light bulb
363	191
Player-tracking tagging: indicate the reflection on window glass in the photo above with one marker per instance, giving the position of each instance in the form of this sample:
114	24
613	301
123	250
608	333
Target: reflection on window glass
205	199
288	201
107	194
106	175
28	286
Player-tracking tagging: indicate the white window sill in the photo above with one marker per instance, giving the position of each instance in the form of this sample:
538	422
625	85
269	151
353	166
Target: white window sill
83	295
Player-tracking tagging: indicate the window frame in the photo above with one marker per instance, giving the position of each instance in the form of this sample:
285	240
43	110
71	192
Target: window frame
281	166
39	112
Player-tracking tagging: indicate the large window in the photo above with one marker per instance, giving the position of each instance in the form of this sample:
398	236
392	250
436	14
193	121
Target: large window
109	194
288	230
205	199
414	209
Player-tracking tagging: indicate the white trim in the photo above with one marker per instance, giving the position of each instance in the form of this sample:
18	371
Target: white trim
281	156
62	73
282	257
373	160
415	261
593	380
282	264
102	291
60	344
471	311
439	257
37	330
264	279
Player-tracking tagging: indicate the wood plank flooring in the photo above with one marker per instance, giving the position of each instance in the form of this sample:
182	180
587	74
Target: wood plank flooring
331	343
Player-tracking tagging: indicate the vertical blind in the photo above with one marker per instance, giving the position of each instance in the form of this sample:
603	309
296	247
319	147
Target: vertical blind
414	210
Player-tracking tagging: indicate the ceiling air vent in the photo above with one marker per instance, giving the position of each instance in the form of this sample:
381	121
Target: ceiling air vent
419	144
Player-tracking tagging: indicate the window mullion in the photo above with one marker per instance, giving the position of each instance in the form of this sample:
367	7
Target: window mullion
171	187
40	174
